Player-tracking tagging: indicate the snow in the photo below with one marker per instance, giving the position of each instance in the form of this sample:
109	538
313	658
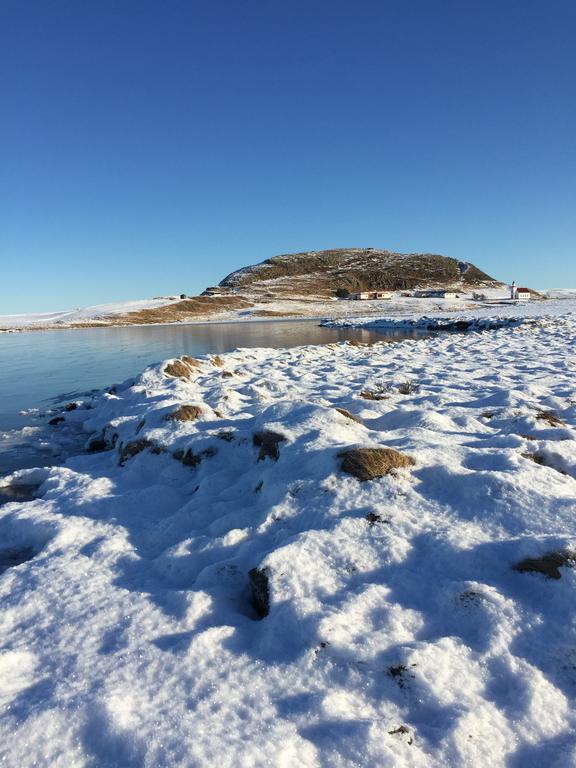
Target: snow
478	317
398	634
96	312
296	306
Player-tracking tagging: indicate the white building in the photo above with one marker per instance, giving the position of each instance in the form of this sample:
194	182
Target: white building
371	295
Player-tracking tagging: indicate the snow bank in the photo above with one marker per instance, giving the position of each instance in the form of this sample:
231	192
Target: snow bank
481	317
208	587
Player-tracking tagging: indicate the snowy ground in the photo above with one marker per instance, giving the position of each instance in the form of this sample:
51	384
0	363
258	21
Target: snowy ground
477	314
265	309
398	632
66	317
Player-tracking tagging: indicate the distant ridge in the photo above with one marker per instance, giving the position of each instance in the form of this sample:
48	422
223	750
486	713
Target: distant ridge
355	269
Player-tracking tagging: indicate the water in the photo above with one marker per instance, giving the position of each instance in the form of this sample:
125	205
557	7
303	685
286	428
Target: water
41	368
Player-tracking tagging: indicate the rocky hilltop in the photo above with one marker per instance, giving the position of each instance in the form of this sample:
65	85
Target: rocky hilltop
355	269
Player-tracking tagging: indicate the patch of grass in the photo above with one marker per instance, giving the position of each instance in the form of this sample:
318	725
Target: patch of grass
550	418
349	415
368	394
191	361
371	463
185	413
179	370
409	387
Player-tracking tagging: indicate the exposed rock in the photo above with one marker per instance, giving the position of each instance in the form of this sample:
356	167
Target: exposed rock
217	361
260	587
130	450
10	493
102	442
268	443
371	463
373	518
537	458
549	564
56	420
191	459
70	407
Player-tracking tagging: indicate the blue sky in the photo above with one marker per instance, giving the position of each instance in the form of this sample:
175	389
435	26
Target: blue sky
152	147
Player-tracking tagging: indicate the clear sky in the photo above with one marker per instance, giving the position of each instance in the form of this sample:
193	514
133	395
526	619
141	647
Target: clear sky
151	147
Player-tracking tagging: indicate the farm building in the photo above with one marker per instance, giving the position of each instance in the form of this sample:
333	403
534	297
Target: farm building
439	294
371	295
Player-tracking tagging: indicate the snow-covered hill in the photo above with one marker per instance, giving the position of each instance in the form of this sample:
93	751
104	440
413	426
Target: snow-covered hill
86	314
214	585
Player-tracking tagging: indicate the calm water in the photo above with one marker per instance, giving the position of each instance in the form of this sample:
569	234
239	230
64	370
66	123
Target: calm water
41	368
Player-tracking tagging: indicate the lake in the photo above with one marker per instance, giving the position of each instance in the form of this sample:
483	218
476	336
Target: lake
38	369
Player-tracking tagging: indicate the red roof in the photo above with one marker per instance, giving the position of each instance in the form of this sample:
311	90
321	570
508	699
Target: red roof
523	290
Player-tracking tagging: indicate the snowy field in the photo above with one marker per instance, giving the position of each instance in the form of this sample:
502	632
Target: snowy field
473	315
212	587
296	306
103	312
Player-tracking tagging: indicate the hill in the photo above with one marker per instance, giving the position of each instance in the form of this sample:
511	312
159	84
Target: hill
355	269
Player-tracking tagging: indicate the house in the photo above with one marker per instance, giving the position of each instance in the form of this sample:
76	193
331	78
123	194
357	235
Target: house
371	295
523	293
435	294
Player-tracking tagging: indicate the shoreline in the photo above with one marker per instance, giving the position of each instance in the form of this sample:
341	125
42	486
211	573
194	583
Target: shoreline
420	307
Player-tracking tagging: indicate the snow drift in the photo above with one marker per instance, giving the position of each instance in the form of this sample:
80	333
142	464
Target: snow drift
210	586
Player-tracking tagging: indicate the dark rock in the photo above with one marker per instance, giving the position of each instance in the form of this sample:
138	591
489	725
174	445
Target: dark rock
549	564
260	586
9	493
268	444
130	450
